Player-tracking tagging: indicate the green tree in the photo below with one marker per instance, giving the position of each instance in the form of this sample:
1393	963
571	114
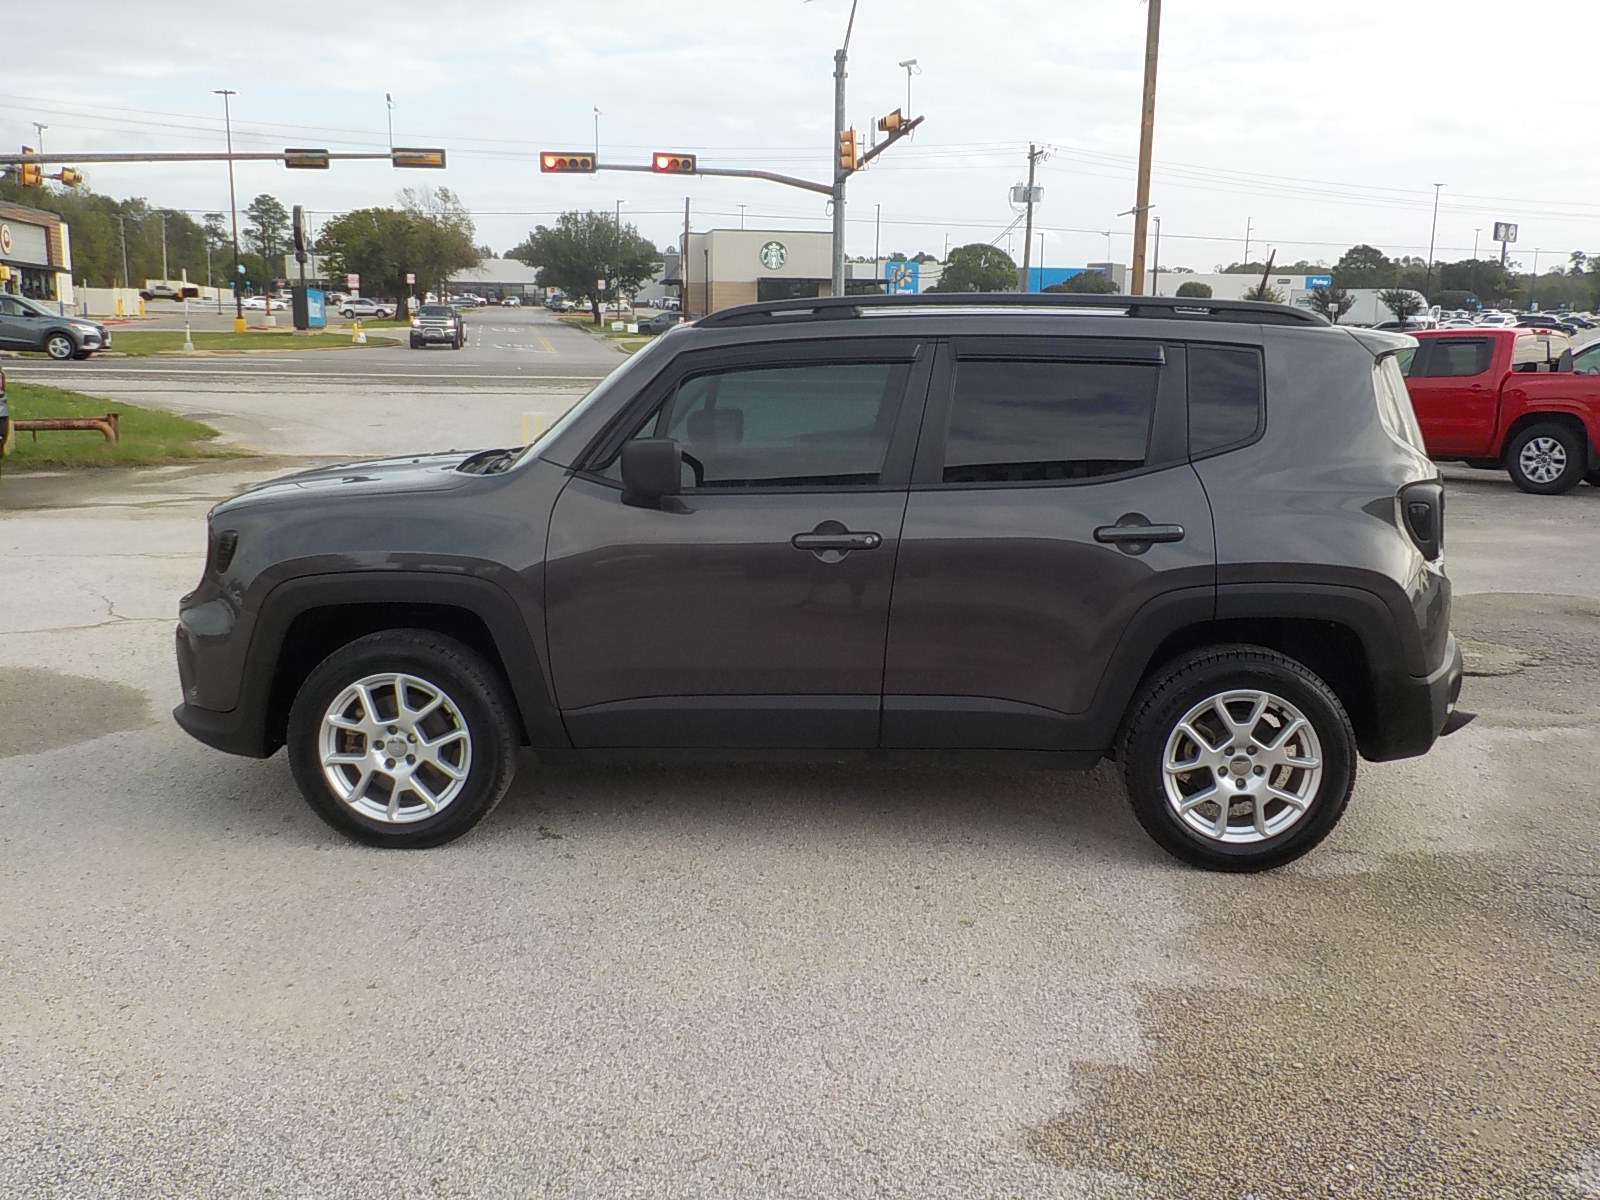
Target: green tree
1264	292
268	230
1086	283
1402	302
1364	266
581	249
431	238
1196	289
1330	302
978	268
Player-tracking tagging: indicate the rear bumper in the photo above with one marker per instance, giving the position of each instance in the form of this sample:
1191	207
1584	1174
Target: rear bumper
1412	710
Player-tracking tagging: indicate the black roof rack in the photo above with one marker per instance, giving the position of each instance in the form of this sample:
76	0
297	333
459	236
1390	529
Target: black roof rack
827	308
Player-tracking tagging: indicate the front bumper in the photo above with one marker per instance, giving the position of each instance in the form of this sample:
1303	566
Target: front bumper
1413	711
434	333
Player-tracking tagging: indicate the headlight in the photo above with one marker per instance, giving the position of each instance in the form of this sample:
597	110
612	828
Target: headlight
416	322
86	328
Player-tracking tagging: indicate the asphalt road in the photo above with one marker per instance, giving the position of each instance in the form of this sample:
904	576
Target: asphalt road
812	981
520	369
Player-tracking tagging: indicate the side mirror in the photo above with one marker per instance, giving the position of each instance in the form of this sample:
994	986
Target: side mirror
651	468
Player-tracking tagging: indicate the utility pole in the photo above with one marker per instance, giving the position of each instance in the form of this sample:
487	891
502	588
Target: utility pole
1034	155
877	239
38	132
1147	133
1248	222
233	208
683	264
1427	286
1155	273
163	217
122	229
840	55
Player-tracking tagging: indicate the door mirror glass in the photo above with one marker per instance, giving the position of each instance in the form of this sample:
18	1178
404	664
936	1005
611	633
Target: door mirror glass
651	468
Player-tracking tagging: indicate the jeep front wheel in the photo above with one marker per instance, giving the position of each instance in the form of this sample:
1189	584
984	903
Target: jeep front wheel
1545	459
1238	759
404	738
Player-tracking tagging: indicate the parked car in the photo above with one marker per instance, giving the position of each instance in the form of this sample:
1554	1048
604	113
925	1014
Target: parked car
360	306
29	325
511	302
769	532
165	290
438	325
263	304
659	323
1507	398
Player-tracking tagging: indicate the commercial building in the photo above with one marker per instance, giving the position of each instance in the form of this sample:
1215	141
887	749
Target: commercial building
35	255
497	278
725	267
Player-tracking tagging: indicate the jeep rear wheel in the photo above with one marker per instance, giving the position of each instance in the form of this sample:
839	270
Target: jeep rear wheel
1546	459
1238	759
404	739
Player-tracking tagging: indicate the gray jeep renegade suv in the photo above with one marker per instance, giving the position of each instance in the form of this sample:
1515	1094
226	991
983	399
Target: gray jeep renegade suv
1201	537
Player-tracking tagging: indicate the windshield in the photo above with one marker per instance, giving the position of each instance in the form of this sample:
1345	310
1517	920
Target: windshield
435	310
640	362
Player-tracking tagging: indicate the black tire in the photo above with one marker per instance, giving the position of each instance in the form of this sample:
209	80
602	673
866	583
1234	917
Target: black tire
1546	459
1276	832
60	346
81	355
347	313
416	345
472	729
460	342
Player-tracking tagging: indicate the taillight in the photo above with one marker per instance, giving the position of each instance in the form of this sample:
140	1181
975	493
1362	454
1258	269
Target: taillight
223	546
1422	513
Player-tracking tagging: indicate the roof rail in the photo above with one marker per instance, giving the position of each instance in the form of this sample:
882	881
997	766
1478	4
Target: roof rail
826	308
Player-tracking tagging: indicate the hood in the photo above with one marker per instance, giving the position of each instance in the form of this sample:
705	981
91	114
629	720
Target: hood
385	476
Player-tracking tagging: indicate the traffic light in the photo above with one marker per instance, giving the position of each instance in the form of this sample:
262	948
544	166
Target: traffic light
70	177
558	160
849	156
672	164
305	158
891	123
416	156
29	174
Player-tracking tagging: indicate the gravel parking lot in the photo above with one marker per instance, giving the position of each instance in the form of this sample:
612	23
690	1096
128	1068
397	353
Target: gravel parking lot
846	980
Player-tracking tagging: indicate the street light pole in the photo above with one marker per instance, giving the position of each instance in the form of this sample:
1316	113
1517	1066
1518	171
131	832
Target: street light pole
839	173
741	216
1427	285
877	238
233	209
1155	273
388	99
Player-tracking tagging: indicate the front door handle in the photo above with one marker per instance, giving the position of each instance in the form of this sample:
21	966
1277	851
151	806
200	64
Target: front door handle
1134	534
830	541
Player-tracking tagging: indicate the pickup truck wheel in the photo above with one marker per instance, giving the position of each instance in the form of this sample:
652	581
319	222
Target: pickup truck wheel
1238	758
403	739
1546	459
60	346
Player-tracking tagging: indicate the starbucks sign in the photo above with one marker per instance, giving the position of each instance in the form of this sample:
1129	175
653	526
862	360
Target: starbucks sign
774	255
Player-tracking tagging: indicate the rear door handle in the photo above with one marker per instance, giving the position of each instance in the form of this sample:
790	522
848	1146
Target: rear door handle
836	541
1134	534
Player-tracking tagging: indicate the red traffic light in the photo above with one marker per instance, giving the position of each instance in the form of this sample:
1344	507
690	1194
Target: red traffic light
558	160
673	164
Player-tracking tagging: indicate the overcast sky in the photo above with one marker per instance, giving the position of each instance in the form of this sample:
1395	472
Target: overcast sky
1319	124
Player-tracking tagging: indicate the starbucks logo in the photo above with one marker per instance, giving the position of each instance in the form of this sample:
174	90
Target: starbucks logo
774	255
5	241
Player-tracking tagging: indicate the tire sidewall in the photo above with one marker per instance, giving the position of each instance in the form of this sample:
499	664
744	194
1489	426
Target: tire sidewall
452	668
1567	480
53	340
1145	746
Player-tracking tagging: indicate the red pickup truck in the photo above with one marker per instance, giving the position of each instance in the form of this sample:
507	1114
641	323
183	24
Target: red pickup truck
1507	398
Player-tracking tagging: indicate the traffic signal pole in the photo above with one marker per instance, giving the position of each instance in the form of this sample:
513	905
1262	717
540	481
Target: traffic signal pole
840	174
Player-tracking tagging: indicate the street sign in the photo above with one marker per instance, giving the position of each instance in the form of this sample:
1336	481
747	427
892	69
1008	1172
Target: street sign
352	282
300	158
300	238
1505	231
1020	194
413	156
410	278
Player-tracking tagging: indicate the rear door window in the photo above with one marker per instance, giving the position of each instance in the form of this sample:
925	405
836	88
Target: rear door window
1225	397
1042	420
1453	358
